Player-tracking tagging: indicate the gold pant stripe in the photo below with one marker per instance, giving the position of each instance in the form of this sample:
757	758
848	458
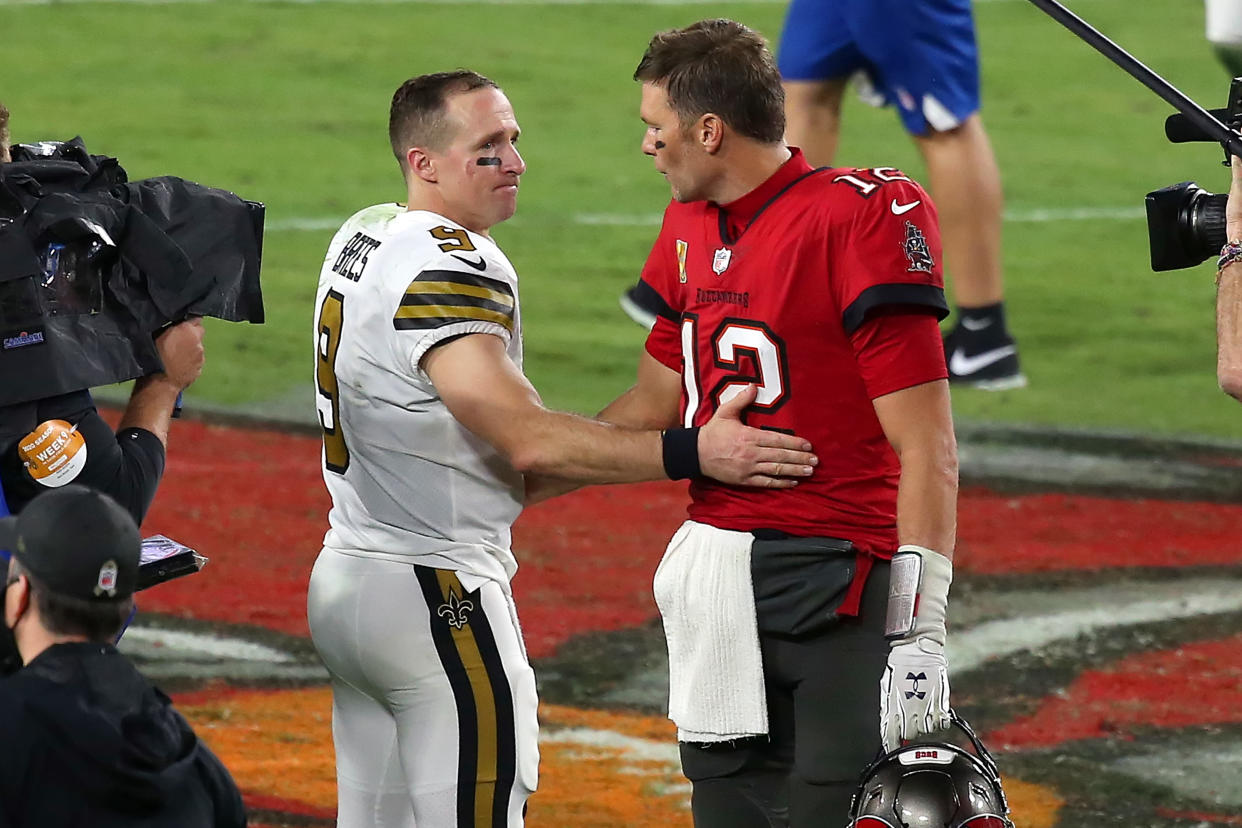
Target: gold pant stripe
484	704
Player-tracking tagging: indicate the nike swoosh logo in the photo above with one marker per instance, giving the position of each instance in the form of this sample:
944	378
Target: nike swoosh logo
972	324
901	209
963	365
479	265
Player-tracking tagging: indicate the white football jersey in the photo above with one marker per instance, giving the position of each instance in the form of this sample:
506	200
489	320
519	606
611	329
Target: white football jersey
407	480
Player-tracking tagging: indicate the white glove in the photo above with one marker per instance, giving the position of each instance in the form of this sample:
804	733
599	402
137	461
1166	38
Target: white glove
914	692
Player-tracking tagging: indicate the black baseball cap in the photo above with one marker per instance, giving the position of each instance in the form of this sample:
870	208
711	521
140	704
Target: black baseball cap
76	542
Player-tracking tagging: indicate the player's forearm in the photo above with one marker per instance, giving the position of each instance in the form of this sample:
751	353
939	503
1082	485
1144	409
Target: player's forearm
151	405
641	407
628	411
1229	330
918	422
635	409
653	402
541	487
927	496
581	450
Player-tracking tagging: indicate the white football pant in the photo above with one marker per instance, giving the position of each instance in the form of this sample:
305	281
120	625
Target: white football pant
433	699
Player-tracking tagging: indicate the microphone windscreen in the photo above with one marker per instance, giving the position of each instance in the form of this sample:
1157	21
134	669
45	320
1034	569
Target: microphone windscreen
1179	129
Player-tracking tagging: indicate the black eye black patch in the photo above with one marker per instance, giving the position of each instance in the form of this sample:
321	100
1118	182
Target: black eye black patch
489	161
659	145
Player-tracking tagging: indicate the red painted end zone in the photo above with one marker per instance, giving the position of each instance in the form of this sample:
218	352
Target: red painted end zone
254	503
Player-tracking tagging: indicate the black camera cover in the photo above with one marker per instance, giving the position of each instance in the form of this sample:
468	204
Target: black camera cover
91	266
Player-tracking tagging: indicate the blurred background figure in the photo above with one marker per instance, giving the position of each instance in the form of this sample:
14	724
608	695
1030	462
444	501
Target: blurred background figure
921	56
1224	32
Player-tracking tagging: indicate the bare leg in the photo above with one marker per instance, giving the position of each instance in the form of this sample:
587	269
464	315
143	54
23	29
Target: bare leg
965	182
813	118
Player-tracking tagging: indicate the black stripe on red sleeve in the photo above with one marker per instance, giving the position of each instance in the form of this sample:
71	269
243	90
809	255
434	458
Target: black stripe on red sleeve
929	297
648	297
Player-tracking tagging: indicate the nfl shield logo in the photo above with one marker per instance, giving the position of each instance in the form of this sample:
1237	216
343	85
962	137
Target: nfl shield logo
720	262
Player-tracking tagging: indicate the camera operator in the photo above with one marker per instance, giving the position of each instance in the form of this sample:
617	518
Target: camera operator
84	739
1229	293
127	465
48	442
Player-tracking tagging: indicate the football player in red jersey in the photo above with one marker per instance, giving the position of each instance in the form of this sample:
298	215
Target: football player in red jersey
823	288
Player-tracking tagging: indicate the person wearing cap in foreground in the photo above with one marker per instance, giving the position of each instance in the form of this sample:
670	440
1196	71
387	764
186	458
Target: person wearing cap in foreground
84	739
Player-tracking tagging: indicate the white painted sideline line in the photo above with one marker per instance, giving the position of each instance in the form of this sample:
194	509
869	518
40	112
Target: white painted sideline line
634	748
1032	216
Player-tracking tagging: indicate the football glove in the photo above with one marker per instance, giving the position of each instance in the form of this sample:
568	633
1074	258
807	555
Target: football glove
914	689
914	692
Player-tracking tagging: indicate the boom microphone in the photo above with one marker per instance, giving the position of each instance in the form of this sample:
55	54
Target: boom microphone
1197	118
1180	130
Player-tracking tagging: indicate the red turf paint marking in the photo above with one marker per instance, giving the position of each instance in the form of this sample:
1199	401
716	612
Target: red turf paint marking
280	805
1055	532
1196	684
254	502
215	691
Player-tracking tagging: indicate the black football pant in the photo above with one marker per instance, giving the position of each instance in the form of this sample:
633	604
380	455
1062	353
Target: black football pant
824	729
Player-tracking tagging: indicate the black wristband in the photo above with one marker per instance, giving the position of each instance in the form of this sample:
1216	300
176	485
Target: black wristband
681	453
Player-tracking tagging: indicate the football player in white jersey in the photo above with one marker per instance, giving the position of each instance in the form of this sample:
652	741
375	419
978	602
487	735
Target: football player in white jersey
431	432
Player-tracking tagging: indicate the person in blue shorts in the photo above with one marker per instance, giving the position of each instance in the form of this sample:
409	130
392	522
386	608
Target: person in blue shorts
921	57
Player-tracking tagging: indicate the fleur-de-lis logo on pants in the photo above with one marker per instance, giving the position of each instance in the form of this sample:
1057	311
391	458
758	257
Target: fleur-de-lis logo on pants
456	610
914	686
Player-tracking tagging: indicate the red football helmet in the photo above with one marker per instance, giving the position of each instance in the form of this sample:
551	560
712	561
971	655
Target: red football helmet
932	784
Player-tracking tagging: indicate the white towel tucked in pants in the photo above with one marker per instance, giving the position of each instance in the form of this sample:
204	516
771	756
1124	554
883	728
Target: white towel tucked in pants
704	592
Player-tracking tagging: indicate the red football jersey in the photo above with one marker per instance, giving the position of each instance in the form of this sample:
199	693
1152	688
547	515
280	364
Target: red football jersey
774	302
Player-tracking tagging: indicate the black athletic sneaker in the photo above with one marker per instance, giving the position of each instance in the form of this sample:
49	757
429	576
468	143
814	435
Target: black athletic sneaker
982	357
635	308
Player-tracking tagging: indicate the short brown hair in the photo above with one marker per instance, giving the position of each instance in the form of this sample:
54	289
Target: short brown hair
4	133
718	66
416	118
97	621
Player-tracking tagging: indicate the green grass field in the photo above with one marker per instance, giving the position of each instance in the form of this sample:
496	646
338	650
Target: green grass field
287	104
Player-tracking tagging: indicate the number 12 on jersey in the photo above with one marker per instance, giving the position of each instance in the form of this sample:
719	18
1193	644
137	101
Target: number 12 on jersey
747	351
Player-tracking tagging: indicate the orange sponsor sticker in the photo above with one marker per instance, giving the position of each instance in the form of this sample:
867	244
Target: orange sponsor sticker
54	453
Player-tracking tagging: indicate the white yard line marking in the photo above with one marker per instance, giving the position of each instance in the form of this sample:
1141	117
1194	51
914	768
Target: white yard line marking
632	747
187	645
968	649
1037	215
